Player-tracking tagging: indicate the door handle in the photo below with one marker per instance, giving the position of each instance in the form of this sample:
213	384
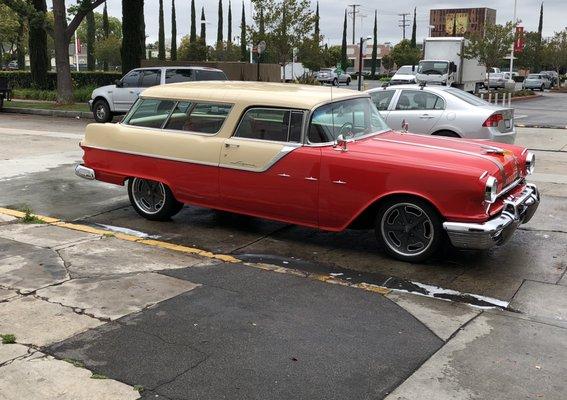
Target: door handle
426	116
310	178
339	182
227	145
284	175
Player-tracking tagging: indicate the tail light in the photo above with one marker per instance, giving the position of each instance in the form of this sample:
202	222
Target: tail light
493	120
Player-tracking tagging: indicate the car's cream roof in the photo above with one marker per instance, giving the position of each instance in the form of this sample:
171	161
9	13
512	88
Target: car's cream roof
252	93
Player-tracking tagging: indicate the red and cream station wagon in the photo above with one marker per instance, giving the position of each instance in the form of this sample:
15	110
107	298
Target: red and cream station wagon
315	156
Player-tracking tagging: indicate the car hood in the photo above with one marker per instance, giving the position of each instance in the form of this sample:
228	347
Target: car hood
103	90
504	162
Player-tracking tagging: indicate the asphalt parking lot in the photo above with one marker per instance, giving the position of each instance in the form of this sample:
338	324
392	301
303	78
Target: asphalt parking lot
314	340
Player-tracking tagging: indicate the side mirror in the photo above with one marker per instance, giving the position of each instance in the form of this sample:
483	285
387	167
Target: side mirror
453	67
405	126
341	143
118	83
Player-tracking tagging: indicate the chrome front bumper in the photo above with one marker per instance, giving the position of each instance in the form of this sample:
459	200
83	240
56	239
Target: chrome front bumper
497	231
84	172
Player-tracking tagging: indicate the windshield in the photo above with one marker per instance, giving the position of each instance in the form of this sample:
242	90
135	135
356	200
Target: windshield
406	70
351	118
433	67
532	76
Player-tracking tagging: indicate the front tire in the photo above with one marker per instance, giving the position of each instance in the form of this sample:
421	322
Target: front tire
348	81
409	229
542	88
335	82
152	200
101	111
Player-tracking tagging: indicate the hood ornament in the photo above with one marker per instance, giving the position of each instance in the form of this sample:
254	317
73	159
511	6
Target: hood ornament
492	150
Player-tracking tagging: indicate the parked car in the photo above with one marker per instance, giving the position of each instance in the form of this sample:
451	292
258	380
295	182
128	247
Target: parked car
553	77
334	76
313	156
497	80
404	75
444	111
111	100
536	81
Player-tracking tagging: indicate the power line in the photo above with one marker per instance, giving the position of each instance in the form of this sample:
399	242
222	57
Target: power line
353	13
403	23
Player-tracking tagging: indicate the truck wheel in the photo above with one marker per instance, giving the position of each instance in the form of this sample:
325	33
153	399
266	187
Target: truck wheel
408	228
335	82
152	200
348	81
101	111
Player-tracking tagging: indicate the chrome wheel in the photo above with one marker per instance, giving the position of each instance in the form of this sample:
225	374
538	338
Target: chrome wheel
407	229
149	196
100	111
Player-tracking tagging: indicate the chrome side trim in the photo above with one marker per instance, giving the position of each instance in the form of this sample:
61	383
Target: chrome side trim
247	167
84	172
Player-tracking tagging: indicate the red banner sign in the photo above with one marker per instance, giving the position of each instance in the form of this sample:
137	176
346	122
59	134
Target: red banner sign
519	40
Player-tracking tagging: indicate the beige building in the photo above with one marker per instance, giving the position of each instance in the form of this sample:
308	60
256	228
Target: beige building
444	22
353	55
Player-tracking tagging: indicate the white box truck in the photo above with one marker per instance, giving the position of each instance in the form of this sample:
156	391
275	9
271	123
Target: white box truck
444	64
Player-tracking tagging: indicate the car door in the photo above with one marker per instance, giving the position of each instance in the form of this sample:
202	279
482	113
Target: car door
123	96
265	171
382	98
419	108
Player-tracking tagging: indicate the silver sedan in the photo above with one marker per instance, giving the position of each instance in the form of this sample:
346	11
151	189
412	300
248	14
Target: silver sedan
444	111
536	81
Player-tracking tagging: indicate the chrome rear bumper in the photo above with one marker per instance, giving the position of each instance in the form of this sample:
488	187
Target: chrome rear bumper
497	231
84	172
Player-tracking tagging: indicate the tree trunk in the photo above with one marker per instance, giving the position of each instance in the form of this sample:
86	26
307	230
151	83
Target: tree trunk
20	51
37	42
131	35
63	67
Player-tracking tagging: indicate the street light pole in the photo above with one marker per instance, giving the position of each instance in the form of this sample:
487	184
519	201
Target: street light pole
360	65
514	33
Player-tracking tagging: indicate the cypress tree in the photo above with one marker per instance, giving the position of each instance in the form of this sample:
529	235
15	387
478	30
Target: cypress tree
161	33
317	32
219	25
37	43
540	25
91	32
344	60
375	45
261	25
173	51
414	29
229	28
193	34
203	27
243	52
539	39
105	23
141	30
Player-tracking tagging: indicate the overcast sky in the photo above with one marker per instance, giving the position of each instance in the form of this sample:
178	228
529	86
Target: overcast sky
331	12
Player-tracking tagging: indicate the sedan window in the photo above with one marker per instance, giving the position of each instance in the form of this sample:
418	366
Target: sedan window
271	124
382	98
419	100
198	117
150	113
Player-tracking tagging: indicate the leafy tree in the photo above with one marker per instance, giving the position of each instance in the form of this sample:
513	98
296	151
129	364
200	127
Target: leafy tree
493	47
555	51
310	52
243	52
161	33
219	25
344	60
414	29
374	46
404	54
173	51
114	27
108	51
529	57
191	51
333	56
387	62
9	27
193	34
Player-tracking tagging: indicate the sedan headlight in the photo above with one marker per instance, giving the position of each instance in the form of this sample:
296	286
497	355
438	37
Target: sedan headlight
530	163
491	190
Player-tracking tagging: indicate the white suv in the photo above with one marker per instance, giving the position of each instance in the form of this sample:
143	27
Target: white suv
111	100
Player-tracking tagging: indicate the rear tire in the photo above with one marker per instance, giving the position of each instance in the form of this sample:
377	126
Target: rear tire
101	111
409	229
152	200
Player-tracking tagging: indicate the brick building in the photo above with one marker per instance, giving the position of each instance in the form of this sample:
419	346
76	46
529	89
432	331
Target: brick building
465	20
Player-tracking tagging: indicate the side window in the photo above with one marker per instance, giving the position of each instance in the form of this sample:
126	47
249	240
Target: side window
382	98
419	100
198	117
271	124
150	113
179	75
150	77
132	79
208	75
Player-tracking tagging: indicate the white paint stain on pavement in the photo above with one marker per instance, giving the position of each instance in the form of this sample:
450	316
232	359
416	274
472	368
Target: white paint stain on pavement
127	231
37	163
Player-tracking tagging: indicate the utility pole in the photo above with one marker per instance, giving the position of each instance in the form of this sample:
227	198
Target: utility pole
403	23
353	13
513	44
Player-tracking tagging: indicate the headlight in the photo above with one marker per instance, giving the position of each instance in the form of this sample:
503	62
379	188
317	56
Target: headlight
491	190
530	163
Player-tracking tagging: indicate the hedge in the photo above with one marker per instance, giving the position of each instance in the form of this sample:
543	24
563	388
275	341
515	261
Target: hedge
22	79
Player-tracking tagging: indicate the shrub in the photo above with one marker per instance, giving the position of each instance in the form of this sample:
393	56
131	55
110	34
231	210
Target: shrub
22	79
82	95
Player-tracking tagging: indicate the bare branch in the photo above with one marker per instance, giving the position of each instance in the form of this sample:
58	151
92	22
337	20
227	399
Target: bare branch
81	13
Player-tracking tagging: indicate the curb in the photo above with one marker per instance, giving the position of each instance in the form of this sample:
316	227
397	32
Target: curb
522	98
540	126
48	113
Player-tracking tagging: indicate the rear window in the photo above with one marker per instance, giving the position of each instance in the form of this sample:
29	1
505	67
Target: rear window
208	75
467	97
534	76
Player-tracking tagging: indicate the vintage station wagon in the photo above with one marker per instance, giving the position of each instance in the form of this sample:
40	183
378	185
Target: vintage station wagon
315	156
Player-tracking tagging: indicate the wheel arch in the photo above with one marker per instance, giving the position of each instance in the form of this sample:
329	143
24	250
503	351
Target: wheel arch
439	130
366	217
105	98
